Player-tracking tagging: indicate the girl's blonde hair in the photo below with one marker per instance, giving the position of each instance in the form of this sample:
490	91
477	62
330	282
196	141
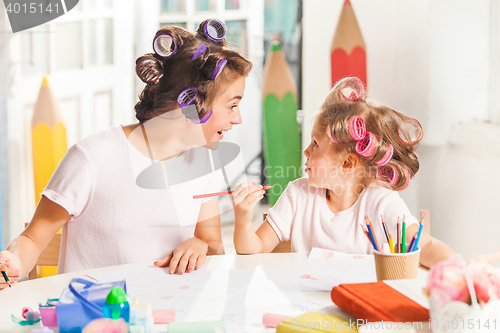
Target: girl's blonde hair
391	130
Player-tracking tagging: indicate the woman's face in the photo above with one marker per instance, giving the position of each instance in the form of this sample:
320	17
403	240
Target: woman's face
226	112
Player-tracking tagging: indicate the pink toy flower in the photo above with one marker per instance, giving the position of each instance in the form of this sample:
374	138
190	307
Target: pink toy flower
103	325
486	282
447	282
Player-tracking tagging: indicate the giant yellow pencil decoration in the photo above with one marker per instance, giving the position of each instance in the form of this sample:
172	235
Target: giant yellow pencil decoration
281	135
48	140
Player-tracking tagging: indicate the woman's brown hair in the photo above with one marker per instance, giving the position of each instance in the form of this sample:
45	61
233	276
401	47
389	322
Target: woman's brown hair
167	77
389	127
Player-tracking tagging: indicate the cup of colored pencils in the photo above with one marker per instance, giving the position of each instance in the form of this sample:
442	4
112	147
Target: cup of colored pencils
395	259
393	266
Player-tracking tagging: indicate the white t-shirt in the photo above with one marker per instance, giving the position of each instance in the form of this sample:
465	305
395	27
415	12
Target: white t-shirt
302	215
114	221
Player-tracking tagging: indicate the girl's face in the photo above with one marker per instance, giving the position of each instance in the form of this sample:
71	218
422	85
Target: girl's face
321	166
226	112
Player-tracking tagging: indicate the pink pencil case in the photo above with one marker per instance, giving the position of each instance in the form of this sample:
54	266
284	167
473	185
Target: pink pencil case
48	312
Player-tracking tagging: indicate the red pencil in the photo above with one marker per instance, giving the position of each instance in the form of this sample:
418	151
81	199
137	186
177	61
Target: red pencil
217	194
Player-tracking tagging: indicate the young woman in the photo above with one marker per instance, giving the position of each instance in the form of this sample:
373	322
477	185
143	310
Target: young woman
194	84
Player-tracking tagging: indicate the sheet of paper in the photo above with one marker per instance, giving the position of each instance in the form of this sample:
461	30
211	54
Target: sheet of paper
240	297
325	269
414	289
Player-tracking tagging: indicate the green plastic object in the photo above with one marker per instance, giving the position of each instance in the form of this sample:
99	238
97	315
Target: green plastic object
281	139
116	296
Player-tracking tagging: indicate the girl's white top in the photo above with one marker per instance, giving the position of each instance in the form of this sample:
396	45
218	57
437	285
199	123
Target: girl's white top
302	215
114	221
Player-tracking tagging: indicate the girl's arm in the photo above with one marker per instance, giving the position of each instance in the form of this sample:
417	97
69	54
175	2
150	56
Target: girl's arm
22	254
432	249
192	253
246	240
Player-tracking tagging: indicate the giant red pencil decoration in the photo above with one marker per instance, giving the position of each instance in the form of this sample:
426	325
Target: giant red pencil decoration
348	51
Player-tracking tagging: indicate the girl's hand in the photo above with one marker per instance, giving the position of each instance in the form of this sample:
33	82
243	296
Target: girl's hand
245	197
11	265
187	257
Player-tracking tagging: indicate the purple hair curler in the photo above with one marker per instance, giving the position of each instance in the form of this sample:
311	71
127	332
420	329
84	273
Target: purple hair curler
162	45
187	96
387	176
366	146
202	49
203	119
330	134
353	90
410	131
217	69
387	156
214	30
357	128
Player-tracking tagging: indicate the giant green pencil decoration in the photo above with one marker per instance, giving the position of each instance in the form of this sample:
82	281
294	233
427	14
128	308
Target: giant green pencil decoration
281	133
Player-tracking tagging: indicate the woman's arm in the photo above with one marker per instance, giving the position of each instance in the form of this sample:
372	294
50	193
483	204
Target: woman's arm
246	240
208	227
432	249
191	254
23	252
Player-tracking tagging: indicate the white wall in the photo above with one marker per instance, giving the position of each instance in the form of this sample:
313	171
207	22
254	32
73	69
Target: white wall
431	60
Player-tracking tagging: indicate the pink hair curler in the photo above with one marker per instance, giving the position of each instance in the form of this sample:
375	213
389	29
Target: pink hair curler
162	45
214	30
353	90
357	128
414	152
387	156
387	175
187	96
407	179
410	131
366	146
330	134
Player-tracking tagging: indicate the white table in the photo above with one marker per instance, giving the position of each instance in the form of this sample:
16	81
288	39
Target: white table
30	293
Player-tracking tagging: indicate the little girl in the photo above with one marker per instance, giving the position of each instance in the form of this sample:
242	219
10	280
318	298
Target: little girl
360	155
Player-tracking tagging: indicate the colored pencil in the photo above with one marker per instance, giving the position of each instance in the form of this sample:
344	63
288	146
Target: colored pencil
373	230
420	228
49	145
217	194
386	231
391	243
371	237
412	243
367	235
6	278
398	237
403	236
348	50
280	130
